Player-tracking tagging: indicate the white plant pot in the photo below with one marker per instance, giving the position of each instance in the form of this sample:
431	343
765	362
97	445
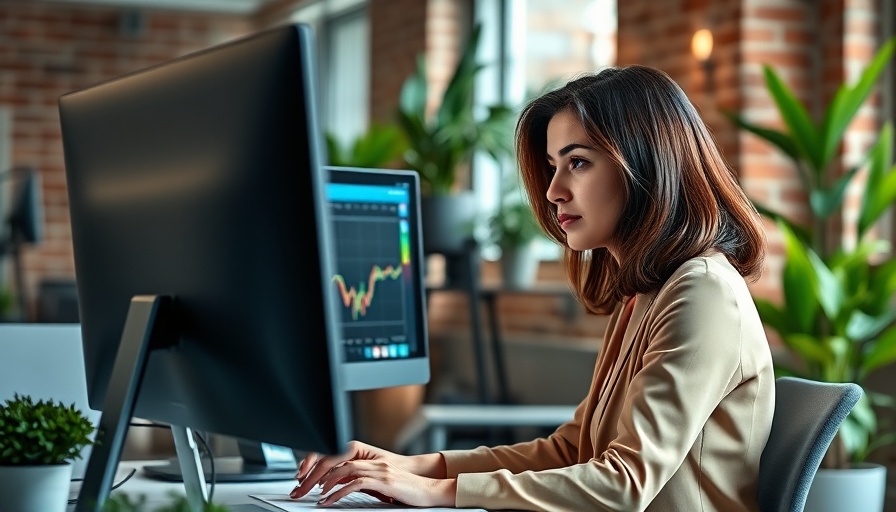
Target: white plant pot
860	488
519	266
35	488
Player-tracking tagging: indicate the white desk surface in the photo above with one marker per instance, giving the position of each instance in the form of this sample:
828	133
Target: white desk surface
157	492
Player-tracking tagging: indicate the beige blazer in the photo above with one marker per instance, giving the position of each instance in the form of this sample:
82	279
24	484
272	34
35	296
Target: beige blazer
679	411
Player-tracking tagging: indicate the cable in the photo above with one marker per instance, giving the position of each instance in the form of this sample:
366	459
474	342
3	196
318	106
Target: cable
74	501
211	464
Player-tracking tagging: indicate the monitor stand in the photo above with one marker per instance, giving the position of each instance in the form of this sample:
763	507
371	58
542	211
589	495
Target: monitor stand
258	462
144	331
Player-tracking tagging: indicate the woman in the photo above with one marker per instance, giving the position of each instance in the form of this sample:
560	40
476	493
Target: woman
621	171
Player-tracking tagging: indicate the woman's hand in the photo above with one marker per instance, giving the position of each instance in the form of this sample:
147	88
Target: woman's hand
388	483
315	468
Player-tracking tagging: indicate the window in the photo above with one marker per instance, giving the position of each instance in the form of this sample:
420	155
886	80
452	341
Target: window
529	47
343	36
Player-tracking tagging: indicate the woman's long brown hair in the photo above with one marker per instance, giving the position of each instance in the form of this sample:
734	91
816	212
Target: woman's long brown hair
682	199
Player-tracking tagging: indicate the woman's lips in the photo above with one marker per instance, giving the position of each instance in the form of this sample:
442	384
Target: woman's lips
566	219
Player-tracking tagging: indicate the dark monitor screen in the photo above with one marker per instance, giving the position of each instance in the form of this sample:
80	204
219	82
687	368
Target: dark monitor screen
379	276
201	180
25	216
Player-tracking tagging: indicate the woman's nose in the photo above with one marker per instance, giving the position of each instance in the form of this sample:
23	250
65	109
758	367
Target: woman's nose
556	192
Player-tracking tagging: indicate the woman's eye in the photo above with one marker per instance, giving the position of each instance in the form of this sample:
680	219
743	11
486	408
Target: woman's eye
575	163
552	170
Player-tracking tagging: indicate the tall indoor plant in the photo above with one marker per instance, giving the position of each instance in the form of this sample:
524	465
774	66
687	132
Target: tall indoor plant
837	315
441	145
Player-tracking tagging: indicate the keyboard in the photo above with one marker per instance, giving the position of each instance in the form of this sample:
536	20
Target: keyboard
354	501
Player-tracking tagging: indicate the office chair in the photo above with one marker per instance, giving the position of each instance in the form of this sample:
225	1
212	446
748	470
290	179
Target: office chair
807	416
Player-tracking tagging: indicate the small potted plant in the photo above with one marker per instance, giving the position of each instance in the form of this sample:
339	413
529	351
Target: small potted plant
513	228
38	441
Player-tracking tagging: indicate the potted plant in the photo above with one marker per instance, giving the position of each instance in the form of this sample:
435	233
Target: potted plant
837	316
441	146
37	442
513	228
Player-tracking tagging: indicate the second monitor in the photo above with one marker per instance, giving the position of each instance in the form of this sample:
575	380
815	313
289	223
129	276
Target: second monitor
379	276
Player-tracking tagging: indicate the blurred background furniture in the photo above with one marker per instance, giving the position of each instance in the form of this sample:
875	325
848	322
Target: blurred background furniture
807	416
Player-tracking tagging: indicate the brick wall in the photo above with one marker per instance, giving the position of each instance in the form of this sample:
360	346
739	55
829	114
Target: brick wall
398	36
47	50
813	46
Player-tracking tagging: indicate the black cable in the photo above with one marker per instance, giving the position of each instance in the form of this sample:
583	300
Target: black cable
211	464
74	501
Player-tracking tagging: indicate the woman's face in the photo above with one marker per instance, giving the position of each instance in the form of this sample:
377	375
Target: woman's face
586	186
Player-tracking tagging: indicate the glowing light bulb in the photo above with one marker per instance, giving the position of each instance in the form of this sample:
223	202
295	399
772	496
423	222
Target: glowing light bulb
701	44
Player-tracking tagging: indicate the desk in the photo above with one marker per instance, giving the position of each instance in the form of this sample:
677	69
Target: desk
157	491
489	294
234	495
428	430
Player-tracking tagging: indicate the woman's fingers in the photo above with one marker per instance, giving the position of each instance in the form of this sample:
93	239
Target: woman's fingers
347	472
305	466
372	486
386	482
319	471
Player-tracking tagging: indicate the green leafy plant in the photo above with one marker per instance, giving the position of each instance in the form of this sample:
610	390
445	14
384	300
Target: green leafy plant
178	503
513	223
442	145
45	432
837	316
380	146
6	301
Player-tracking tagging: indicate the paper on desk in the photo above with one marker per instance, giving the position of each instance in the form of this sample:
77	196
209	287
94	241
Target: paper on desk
284	502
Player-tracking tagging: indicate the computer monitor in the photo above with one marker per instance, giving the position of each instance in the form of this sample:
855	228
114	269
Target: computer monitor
25	217
24	223
379	276
203	251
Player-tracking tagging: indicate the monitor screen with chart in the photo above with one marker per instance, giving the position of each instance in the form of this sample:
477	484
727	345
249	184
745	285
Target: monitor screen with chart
378	276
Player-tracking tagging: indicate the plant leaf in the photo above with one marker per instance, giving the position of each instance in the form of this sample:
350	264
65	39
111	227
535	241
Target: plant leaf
880	187
777	138
809	348
825	202
847	101
855	437
863	327
772	316
801	232
414	91
797	120
881	287
800	283
882	352
830	293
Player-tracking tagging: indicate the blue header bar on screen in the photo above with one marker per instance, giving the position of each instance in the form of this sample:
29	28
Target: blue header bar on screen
366	193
